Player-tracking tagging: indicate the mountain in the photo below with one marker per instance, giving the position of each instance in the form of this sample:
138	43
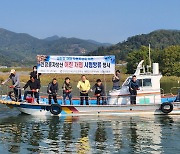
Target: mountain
98	43
158	39
21	49
55	37
52	38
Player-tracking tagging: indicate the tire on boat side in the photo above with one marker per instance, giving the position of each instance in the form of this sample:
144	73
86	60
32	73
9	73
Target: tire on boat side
163	108
55	109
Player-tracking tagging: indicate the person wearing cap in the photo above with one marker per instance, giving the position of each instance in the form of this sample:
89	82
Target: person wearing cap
14	77
52	90
99	92
67	89
116	80
35	74
34	86
84	87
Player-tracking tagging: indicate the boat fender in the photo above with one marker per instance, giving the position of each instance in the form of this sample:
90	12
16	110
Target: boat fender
55	109
164	108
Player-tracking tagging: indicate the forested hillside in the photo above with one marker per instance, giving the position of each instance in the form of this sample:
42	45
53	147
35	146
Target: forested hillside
159	39
19	49
165	49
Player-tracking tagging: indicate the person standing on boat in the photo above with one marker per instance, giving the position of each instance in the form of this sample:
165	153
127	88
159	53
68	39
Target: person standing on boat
133	87
15	84
116	80
67	89
84	87
34	86
35	74
99	92
52	90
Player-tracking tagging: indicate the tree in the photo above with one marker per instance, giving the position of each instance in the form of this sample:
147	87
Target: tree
168	59
135	57
170	64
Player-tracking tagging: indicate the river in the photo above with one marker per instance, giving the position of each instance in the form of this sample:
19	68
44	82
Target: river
88	134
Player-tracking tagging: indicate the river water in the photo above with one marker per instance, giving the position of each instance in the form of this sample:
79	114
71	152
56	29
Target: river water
88	134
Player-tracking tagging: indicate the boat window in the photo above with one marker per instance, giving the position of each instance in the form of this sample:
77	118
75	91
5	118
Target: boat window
147	82
139	82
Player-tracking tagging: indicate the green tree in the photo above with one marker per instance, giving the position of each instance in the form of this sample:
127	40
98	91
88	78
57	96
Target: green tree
170	64
135	57
168	59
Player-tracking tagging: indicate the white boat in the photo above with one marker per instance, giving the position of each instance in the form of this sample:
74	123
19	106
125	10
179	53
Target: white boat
148	100
149	92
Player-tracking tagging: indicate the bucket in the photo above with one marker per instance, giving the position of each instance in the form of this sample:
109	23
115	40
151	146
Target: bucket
30	99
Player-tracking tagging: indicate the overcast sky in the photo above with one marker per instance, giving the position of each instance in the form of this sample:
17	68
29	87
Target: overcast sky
102	20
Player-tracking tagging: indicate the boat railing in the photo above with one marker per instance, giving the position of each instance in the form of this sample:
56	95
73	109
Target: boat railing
172	90
4	90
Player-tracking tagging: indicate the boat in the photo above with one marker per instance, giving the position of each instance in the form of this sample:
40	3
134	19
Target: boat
149	100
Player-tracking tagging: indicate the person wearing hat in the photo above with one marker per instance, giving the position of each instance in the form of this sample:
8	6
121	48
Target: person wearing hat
14	77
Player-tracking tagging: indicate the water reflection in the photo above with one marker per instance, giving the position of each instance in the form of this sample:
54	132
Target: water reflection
100	136
89	134
133	135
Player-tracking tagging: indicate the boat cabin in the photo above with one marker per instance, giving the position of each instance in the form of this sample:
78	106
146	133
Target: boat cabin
149	84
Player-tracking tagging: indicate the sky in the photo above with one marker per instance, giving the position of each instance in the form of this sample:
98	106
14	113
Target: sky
109	21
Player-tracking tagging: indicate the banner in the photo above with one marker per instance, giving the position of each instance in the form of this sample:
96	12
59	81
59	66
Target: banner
76	64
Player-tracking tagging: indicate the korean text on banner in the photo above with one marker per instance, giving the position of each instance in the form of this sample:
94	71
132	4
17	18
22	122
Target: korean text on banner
76	64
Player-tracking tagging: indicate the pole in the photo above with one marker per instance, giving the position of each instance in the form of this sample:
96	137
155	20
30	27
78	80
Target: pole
105	84
150	55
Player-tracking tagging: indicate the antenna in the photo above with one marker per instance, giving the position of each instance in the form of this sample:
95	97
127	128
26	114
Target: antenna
149	55
149	66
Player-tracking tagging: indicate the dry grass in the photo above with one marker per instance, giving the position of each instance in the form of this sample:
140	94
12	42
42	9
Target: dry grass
46	78
170	78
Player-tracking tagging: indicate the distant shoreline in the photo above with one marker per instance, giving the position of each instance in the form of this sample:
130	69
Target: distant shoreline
46	78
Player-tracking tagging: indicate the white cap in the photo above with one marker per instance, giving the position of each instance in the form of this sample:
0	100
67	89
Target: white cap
12	71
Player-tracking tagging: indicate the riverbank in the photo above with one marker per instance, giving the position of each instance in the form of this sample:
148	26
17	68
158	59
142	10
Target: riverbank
46	78
170	78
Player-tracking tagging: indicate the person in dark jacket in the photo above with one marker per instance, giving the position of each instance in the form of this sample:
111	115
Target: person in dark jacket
34	86
52	90
99	92
35	74
67	89
14	77
133	87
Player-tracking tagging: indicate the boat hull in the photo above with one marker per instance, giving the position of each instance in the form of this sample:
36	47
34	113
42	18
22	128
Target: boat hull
72	110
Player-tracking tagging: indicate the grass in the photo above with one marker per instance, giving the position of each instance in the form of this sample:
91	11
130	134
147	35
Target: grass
46	78
19	69
170	79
